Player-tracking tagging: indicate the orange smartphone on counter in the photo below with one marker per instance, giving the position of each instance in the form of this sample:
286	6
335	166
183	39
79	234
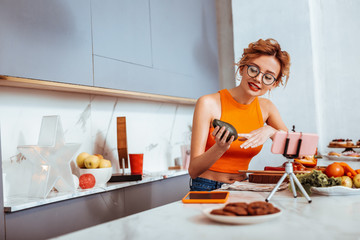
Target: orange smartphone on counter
206	197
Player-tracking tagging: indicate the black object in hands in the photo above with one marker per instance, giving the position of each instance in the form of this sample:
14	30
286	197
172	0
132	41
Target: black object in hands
228	126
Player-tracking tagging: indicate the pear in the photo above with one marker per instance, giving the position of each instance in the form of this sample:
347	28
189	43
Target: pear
356	180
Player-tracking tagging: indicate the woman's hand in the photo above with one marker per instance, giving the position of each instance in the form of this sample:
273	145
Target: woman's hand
220	139
257	137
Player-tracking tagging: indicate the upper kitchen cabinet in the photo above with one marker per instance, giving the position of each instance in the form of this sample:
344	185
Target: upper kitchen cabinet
121	30
46	40
166	47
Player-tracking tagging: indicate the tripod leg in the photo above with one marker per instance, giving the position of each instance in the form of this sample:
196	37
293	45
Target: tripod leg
301	188
292	185
276	187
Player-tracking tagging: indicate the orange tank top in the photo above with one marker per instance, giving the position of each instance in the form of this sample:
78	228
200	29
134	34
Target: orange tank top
245	118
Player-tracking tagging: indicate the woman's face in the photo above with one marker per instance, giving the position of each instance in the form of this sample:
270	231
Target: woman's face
254	85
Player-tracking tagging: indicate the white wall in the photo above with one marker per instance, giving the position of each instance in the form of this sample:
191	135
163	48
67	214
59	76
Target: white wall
153	128
335	38
321	37
288	23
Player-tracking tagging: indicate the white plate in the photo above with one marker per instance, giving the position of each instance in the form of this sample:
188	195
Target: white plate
335	191
240	219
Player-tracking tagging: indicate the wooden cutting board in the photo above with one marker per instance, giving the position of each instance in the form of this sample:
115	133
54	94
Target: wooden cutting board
122	142
266	178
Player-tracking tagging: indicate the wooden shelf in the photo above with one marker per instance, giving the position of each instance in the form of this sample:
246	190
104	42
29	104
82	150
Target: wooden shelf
66	87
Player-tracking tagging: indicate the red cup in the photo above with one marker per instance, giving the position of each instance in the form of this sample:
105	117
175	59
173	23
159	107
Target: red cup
136	163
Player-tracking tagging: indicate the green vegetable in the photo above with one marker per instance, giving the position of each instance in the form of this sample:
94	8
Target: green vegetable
316	178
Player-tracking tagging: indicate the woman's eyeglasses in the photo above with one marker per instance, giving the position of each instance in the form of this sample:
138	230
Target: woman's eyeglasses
254	71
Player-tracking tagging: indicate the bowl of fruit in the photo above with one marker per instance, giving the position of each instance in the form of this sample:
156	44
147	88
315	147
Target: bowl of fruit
95	165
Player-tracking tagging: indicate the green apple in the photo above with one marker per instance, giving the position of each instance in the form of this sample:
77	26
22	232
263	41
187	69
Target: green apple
356	180
104	163
346	181
92	161
80	159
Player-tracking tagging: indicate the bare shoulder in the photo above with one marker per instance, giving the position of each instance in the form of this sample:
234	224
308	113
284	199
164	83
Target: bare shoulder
210	98
266	104
209	102
271	114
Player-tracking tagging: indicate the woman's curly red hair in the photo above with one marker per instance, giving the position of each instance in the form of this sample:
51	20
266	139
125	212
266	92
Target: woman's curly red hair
267	47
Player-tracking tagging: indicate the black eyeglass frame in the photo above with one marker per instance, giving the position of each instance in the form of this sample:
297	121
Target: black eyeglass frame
262	79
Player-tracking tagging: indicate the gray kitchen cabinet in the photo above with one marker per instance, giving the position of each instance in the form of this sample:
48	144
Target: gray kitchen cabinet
56	219
59	218
121	30
131	77
161	47
147	196
177	39
46	40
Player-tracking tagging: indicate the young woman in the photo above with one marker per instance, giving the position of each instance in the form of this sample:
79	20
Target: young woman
215	161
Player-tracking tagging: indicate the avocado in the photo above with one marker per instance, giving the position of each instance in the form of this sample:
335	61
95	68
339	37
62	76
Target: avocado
228	126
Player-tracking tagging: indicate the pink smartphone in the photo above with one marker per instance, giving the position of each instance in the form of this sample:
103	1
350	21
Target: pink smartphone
308	146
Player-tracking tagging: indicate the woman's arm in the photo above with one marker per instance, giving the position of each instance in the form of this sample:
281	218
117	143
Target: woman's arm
273	121
206	110
274	118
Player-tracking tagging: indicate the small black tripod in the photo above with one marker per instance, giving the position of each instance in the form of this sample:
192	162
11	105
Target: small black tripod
290	172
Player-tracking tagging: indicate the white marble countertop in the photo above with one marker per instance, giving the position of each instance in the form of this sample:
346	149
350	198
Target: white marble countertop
327	217
13	204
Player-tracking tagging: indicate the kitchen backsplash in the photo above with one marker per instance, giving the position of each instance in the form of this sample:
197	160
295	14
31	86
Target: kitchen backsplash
156	129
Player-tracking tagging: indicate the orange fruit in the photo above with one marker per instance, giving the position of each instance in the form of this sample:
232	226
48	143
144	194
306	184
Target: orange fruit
334	170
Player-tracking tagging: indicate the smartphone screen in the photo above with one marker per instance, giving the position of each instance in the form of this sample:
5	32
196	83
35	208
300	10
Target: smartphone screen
309	142
205	195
